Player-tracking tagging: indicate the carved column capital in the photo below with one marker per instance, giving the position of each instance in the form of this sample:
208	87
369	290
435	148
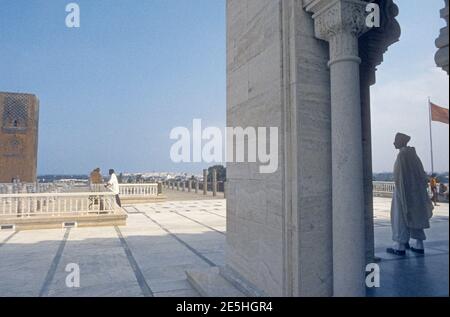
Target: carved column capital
338	16
341	23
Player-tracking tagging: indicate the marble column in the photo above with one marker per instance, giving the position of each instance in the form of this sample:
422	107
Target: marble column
205	182
341	23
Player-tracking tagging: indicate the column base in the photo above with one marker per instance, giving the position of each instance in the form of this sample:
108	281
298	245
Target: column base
220	282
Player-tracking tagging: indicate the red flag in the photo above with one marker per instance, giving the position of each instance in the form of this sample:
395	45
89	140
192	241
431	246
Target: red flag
439	114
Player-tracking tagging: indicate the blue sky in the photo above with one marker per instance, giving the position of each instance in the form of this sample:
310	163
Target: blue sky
112	90
405	80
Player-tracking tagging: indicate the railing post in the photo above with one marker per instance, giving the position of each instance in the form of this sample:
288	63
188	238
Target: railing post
160	189
225	189
214	182
205	182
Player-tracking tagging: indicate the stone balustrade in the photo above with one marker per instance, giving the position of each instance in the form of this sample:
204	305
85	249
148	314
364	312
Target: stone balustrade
383	189
196	186
139	190
38	206
131	190
32	197
57	204
17	188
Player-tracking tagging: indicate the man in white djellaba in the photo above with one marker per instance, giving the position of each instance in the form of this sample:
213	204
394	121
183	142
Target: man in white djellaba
113	185
411	208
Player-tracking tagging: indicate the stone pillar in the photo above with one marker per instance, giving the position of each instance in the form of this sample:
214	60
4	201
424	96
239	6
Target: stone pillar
367	162
225	189
178	186
442	42
341	24
279	225
214	182
205	182
196	186
190	185
183	185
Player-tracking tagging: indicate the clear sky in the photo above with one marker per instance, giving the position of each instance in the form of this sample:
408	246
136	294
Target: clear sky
112	90
406	78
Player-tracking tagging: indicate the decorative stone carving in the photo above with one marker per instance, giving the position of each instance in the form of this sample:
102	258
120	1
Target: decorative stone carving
373	44
15	113
341	16
442	42
341	23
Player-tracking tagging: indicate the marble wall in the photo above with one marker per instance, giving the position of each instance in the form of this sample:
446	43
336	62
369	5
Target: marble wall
279	225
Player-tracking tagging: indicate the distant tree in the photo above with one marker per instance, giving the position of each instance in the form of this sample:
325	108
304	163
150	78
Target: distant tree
221	173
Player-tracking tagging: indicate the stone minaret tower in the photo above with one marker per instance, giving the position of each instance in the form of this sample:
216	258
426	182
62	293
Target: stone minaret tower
19	120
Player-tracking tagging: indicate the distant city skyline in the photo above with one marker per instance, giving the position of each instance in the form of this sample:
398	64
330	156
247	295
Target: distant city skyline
112	90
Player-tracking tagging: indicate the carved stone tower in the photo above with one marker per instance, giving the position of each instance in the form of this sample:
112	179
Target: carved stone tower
19	120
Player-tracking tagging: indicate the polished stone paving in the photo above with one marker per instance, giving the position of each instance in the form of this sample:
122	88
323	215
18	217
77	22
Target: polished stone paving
150	255
412	275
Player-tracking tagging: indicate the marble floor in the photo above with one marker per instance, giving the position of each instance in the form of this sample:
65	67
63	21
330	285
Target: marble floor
412	275
150	255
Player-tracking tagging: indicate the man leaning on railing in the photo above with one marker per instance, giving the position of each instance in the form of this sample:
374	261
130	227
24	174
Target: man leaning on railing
113	185
95	178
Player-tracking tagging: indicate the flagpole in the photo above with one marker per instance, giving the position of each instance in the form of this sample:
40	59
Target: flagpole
431	135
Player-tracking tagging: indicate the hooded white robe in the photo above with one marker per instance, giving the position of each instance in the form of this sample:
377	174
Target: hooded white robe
411	208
